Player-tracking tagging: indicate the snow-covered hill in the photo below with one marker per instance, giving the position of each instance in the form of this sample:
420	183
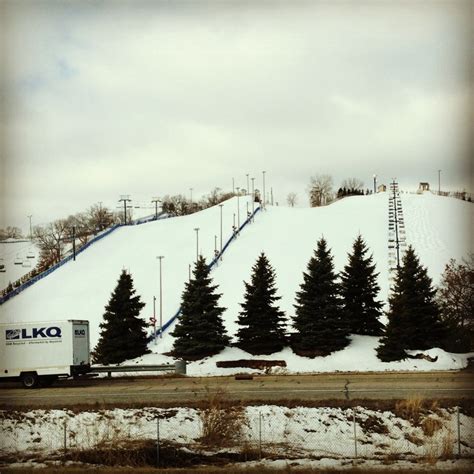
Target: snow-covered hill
438	228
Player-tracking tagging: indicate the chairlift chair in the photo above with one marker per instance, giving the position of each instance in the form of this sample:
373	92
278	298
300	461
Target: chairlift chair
30	255
18	261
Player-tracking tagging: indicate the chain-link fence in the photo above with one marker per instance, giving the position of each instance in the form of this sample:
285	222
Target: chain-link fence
266	432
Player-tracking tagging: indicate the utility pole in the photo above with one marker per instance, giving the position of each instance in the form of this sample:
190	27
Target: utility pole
375	183
156	201
264	195
31	231
125	198
161	257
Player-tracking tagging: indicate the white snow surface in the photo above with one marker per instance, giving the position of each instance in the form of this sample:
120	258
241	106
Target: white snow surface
437	227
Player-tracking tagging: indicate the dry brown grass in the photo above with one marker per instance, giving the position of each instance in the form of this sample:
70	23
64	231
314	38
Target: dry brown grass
222	425
431	425
447	446
410	409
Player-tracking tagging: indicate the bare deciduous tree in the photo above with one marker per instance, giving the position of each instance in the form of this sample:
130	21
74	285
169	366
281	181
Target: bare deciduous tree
353	184
291	199
320	190
456	298
10	232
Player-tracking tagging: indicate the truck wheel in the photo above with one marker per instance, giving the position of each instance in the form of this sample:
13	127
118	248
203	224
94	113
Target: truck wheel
30	380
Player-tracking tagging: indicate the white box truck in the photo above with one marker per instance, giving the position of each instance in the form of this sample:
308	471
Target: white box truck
41	352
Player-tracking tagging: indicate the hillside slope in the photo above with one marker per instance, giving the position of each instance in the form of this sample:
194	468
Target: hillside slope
438	228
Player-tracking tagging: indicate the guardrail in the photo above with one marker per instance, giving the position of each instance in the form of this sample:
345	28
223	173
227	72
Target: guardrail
179	367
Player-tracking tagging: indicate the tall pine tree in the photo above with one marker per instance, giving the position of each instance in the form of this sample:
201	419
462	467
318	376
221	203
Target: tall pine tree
123	335
359	291
319	322
200	331
262	324
413	318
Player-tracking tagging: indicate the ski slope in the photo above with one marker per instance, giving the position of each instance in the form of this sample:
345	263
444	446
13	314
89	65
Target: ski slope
438	228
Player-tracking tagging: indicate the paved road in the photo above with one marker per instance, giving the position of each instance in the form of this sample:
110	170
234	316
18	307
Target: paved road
268	388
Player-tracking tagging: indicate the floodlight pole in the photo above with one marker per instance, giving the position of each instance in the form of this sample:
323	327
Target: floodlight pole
160	258
264	195
253	194
248	186
375	183
221	205
238	208
31	231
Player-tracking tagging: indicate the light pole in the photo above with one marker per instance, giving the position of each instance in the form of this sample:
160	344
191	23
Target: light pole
439	182
253	194
264	195
31	232
197	243
160	258
375	183
238	208
221	205
191	191
154	318
248	188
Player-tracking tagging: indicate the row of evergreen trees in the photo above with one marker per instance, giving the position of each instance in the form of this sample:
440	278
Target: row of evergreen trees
328	309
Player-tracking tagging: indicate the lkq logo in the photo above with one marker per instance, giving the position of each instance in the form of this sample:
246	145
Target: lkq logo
33	333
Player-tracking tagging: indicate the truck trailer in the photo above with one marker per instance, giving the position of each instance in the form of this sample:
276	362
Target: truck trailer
41	352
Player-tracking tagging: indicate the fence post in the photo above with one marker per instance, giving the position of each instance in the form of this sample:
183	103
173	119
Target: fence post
459	431
355	432
260	435
158	441
65	437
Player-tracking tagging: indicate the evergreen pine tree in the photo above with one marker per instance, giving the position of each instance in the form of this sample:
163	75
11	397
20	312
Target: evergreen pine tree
123	335
413	318
359	290
200	331
319	322
262	323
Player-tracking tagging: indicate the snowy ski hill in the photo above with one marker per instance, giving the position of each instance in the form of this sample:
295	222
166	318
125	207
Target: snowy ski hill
438	228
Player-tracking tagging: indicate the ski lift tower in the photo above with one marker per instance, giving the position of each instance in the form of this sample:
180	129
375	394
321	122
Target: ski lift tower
125	198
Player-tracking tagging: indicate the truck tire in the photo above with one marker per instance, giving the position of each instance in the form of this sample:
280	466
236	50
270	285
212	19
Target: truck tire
29	380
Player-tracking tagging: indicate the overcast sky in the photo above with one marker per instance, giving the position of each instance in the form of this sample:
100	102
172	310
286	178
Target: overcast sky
150	98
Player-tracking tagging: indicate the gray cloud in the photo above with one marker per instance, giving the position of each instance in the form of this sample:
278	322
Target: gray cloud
146	98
